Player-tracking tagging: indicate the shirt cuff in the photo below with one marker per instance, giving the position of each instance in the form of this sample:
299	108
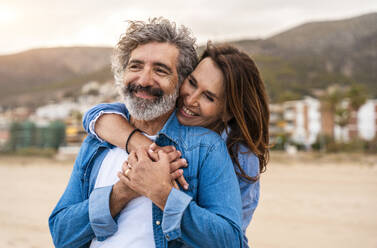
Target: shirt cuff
176	204
100	217
93	122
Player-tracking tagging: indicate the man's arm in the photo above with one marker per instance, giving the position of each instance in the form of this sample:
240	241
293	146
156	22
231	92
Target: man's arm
79	217
69	222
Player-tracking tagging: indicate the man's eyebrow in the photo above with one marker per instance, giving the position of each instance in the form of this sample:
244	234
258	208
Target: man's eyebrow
136	61
163	66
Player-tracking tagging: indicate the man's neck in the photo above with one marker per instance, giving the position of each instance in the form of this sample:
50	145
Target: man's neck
153	126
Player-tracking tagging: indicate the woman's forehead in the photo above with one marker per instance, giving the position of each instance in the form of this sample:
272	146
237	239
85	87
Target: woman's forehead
209	76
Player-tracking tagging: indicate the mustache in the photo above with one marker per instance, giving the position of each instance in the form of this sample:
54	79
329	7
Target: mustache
133	88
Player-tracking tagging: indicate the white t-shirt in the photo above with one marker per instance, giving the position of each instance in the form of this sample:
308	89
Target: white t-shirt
135	227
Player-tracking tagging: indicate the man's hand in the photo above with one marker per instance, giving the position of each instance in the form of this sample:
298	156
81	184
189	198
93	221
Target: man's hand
176	162
120	196
148	178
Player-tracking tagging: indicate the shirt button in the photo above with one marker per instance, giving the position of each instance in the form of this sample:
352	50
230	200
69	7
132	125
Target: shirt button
158	222
167	236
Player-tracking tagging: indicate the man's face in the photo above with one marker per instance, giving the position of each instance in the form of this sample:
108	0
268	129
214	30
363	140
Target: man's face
151	80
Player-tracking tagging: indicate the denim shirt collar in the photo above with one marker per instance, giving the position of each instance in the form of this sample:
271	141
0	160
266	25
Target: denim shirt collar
169	130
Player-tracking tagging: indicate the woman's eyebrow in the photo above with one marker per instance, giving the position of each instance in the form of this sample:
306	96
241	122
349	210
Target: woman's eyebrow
207	91
211	94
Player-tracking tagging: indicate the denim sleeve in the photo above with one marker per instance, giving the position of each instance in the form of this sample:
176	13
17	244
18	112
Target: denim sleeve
69	222
213	219
92	115
100	217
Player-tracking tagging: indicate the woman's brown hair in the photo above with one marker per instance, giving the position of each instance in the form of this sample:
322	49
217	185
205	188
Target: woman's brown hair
247	103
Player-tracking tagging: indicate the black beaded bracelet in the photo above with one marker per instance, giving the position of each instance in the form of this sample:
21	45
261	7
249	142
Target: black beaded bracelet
129	137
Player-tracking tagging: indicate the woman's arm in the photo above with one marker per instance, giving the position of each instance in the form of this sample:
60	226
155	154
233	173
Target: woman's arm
109	122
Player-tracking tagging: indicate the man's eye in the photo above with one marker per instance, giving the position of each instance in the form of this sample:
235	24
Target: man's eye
161	71
134	66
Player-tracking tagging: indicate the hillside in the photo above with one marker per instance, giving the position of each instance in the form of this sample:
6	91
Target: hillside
293	63
314	55
29	74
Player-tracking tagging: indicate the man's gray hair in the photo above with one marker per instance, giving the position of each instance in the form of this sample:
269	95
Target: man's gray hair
155	30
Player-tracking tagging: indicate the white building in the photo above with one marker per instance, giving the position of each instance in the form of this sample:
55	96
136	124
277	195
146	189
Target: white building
367	120
303	120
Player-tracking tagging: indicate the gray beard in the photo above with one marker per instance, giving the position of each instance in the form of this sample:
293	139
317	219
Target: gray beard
146	110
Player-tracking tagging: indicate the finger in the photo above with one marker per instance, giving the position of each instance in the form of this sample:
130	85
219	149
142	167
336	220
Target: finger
180	163
168	149
174	155
175	185
164	158
141	153
153	147
125	166
123	178
182	181
132	158
153	155
176	174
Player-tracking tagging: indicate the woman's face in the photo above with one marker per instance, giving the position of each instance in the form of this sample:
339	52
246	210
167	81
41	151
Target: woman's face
201	100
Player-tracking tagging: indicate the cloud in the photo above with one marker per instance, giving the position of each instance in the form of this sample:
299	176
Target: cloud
42	23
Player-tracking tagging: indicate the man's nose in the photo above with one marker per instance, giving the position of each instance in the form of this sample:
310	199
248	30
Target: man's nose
146	78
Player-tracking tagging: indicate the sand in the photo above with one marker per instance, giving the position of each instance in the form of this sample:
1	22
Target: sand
306	201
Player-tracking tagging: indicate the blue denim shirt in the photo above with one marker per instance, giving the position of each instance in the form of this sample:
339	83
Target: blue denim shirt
247	160
208	214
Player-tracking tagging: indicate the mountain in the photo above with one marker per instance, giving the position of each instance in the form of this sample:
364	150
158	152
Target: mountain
292	63
314	55
30	74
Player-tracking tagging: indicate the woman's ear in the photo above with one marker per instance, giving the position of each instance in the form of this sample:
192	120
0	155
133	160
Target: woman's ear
227	117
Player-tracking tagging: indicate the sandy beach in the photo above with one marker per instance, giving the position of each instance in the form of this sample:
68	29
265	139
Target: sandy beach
306	201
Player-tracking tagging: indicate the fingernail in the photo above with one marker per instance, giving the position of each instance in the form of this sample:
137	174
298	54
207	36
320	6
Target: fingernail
186	187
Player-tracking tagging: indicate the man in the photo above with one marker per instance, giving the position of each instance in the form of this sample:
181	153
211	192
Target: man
143	209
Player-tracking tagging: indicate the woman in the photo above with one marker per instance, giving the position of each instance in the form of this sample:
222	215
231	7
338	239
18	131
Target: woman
224	93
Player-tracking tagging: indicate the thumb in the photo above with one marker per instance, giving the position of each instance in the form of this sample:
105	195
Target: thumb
164	158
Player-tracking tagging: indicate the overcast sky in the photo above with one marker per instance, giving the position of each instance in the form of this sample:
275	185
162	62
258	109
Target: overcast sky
26	24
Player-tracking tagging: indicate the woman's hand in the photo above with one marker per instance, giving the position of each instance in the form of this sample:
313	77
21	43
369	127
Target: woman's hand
175	160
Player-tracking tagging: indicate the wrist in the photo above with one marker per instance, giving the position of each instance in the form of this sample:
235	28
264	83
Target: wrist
138	140
161	196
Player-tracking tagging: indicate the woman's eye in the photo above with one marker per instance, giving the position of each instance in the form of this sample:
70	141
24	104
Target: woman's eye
192	83
210	98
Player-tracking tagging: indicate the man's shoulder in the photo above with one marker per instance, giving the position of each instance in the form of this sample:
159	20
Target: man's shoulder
200	136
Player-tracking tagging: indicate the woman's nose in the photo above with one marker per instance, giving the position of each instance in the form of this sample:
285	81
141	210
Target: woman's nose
192	99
